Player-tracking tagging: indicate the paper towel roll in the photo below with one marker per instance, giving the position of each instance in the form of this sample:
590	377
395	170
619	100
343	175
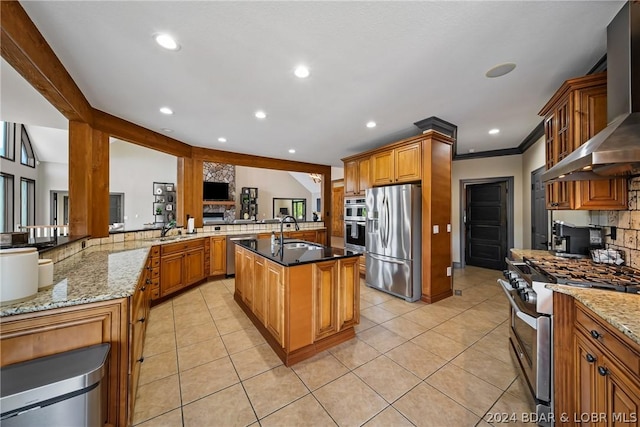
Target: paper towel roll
45	273
191	225
18	274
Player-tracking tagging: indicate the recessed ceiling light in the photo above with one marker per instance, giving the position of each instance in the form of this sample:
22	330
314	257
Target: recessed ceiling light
166	110
301	71
221	139
494	131
291	150
500	69
261	114
167	130
371	124
166	41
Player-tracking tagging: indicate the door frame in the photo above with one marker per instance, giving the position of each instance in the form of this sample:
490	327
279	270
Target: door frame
540	169
463	208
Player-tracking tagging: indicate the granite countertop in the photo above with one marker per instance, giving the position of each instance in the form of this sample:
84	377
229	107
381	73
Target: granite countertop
293	257
96	274
621	310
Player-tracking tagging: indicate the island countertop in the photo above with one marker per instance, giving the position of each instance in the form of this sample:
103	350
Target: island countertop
290	257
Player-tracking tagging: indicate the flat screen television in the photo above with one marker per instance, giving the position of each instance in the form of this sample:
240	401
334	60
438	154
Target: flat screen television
215	190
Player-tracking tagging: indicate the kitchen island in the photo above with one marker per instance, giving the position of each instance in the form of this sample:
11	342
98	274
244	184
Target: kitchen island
302	297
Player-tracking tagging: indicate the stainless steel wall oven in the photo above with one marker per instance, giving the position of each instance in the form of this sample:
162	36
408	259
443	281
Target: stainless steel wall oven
355	216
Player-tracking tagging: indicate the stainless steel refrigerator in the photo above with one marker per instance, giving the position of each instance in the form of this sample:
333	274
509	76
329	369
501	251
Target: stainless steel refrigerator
394	240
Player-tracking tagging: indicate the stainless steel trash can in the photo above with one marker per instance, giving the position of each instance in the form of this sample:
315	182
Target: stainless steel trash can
64	389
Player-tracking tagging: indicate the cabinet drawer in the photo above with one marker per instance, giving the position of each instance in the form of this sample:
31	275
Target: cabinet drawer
155	262
155	251
155	272
173	248
605	337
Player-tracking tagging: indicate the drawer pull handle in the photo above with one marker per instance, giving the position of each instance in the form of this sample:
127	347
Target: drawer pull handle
143	288
148	281
141	320
595	334
590	358
141	359
602	370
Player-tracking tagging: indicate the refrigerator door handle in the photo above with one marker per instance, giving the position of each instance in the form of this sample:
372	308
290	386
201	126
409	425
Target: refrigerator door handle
386	259
387	215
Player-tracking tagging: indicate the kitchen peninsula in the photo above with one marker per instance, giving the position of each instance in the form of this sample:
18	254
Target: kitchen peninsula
303	298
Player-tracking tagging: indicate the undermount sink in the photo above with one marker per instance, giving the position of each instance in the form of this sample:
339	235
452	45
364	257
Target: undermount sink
301	245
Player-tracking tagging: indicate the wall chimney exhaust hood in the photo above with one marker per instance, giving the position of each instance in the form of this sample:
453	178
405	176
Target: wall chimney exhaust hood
615	150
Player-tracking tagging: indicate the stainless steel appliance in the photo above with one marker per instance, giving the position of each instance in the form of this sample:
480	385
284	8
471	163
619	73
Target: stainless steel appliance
393	241
571	240
231	251
354	224
531	321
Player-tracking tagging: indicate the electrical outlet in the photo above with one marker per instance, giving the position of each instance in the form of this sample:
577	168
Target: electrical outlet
216	228
448	271
457	292
448	228
436	229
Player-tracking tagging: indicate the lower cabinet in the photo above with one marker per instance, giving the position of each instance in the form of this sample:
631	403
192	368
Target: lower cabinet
274	304
218	262
181	264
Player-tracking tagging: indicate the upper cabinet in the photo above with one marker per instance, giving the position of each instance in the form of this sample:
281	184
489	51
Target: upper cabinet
575	113
357	176
399	164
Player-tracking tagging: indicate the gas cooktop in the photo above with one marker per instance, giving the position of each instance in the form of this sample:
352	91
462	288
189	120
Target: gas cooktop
586	273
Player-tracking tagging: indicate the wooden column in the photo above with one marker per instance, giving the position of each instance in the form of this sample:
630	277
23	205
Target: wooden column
436	211
189	192
80	163
100	204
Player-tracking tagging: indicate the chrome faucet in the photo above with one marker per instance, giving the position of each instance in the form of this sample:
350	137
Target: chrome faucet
282	227
165	228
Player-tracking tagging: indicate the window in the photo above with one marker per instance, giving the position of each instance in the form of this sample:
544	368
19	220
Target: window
26	150
27	201
6	150
6	203
116	208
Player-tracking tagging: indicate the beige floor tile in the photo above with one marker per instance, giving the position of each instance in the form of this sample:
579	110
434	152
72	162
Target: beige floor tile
159	366
193	320
485	312
156	398
200	353
349	401
387	378
229	407
364	324
375	297
495	345
190	297
354	353
196	307
170	419
519	388
512	408
416	359
439	344
458	303
426	406
242	340
423	318
160	326
197	334
155	344
381	338
303	412
387	418
273	390
404	327
162	311
206	379
365	304
485	367
377	314
440	312
399	306
319	370
469	391
232	324
254	361
462	333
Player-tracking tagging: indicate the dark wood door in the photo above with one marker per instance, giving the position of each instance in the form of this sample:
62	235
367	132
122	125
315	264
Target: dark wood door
539	220
486	225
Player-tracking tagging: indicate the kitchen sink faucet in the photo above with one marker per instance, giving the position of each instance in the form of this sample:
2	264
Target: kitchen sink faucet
282	228
165	228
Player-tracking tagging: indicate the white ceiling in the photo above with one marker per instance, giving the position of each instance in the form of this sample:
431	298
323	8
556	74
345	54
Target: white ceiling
393	62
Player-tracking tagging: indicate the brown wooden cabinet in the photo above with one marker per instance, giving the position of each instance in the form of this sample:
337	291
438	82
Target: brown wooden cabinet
326	295
274	304
181	264
218	258
601	377
357	176
402	163
576	112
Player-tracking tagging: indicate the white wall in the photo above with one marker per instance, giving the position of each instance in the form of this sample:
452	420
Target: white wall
51	176
337	173
133	170
491	167
270	184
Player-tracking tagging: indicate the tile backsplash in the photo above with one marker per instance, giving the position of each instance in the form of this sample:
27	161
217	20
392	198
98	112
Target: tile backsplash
627	223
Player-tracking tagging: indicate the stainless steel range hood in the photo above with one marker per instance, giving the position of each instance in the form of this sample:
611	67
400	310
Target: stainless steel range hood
614	151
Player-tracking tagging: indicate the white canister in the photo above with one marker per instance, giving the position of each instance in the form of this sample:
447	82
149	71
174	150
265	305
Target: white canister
18	274
45	273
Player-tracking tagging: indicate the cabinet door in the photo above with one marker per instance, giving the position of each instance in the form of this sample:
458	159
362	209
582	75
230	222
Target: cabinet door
275	302
259	288
325	288
408	163
247	278
349	292
321	237
623	396
364	175
218	261
589	387
606	194
240	279
194	266
382	168
171	274
351	179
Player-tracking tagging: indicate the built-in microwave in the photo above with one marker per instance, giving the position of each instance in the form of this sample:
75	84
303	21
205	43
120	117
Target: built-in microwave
355	209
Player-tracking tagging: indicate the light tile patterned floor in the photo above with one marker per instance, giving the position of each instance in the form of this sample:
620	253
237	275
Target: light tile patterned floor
443	364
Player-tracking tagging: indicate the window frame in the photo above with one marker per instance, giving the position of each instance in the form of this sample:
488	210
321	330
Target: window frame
31	213
25	142
9	139
8	208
